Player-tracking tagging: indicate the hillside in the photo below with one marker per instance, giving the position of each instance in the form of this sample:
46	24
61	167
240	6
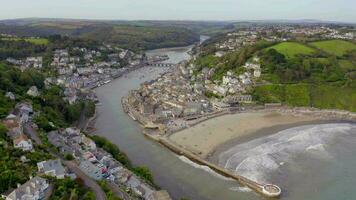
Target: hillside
294	73
132	35
142	37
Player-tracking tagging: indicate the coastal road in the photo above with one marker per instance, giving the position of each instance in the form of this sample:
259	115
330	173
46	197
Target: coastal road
99	193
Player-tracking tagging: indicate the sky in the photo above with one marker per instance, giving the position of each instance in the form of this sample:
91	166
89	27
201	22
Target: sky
332	10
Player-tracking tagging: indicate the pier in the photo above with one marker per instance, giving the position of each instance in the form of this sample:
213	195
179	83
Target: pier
267	190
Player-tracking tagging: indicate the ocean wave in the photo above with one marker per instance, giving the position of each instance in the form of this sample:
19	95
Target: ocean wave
202	167
258	158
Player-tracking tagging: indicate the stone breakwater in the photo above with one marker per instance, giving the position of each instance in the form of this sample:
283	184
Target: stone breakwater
268	190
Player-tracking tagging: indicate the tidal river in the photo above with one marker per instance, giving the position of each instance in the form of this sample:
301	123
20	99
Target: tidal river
329	180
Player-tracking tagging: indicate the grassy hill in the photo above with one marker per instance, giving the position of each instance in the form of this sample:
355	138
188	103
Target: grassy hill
324	96
335	47
319	80
291	49
296	74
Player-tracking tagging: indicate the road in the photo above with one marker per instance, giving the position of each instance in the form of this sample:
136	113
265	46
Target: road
99	193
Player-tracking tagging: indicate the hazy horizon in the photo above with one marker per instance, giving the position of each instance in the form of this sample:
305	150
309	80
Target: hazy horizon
193	10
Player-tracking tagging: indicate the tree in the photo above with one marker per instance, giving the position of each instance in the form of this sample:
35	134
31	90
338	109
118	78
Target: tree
144	173
3	131
69	157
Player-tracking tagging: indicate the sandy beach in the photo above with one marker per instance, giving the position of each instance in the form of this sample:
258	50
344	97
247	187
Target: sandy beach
205	137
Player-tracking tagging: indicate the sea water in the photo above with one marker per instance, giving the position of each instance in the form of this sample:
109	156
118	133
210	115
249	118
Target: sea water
308	162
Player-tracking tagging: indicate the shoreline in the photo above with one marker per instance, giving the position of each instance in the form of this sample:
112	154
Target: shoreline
206	137
213	156
269	190
266	189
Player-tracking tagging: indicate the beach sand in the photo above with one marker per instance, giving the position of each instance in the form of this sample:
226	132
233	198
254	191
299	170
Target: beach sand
205	137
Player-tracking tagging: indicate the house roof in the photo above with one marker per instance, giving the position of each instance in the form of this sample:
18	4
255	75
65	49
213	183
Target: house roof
11	123
29	188
160	195
11	116
87	141
55	165
20	139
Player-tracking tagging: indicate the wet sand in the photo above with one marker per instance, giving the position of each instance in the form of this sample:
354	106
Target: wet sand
214	155
207	137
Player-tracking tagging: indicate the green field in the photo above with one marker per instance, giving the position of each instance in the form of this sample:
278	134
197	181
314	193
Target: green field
347	65
335	47
324	96
291	49
37	41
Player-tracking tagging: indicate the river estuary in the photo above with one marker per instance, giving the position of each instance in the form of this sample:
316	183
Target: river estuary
329	179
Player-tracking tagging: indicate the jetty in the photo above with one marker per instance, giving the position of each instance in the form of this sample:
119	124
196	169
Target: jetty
267	190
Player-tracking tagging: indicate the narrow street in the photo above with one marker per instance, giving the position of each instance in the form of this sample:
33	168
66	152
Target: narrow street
99	193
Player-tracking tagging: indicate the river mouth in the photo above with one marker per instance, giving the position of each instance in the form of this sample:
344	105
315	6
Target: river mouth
302	160
182	179
313	179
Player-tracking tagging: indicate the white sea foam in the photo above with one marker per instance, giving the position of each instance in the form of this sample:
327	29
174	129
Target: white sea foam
257	158
240	189
202	167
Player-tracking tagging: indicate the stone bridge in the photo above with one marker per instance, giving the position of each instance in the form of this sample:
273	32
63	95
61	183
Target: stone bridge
155	64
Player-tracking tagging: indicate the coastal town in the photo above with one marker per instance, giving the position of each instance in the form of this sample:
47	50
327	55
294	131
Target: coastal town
78	71
278	33
190	94
184	93
51	109
95	162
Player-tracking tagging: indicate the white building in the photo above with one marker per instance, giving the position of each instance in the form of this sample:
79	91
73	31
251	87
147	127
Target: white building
34	189
22	142
52	168
33	91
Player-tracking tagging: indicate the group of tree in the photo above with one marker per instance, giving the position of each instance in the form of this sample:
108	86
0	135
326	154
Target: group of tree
120	156
19	49
67	189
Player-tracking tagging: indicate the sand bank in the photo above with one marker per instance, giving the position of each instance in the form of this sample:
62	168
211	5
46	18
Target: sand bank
205	137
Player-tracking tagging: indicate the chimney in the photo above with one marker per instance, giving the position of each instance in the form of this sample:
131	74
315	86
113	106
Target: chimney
18	185
31	177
